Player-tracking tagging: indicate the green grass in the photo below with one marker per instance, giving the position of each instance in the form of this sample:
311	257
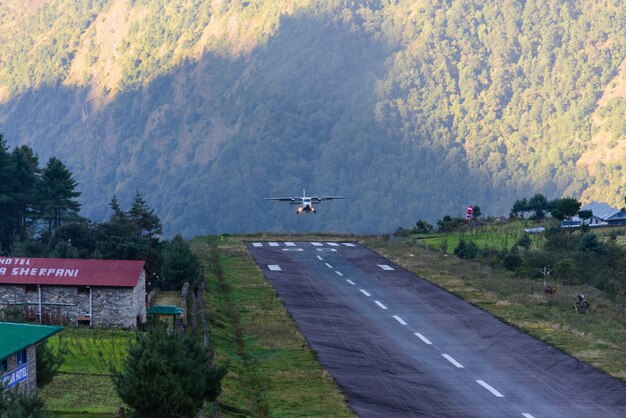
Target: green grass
271	372
84	384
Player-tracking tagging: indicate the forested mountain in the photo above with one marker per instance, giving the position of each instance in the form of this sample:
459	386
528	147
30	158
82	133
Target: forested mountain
412	108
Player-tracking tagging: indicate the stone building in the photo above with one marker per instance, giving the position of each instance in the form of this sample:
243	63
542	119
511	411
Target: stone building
98	293
18	354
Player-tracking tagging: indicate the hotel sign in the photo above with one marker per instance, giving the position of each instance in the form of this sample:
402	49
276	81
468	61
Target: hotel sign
14	377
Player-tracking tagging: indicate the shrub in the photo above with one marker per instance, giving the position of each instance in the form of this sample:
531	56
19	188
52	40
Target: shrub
467	250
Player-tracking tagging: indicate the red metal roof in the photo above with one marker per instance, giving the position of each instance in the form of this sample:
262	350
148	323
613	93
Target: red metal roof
70	272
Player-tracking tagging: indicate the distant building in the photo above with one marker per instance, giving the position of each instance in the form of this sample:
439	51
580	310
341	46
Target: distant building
602	215
98	293
18	354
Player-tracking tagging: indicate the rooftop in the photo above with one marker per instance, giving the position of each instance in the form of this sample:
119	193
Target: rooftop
165	310
17	337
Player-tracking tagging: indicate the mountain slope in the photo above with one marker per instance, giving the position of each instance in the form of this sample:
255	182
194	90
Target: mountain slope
412	108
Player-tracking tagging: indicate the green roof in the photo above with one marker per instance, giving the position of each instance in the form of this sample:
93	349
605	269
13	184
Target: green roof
17	337
165	310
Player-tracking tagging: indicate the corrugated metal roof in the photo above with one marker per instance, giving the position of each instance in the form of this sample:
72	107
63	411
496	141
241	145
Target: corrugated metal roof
17	337
70	272
600	210
165	310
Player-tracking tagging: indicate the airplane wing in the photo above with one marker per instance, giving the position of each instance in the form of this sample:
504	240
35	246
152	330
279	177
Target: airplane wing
286	199
320	198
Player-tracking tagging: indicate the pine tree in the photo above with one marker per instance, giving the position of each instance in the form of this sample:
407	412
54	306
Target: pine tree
179	264
8	203
57	193
146	221
167	375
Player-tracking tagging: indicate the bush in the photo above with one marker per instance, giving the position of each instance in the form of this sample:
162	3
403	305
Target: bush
467	250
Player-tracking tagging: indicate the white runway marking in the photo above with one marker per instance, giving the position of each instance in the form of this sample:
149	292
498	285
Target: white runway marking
333	244
421	337
290	244
385	267
320	258
453	361
293	249
274	267
257	244
527	415
333	250
400	320
339	273
328	265
273	244
364	292
349	244
380	304
350	281
490	388
317	244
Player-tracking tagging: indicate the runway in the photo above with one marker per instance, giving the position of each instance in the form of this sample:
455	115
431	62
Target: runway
399	346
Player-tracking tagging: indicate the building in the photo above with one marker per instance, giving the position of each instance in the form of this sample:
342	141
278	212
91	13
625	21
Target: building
98	293
602	215
18	353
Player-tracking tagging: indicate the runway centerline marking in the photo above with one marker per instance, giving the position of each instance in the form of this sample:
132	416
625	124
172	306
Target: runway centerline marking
380	304
328	265
320	258
339	273
421	337
273	244
350	281
527	415
400	320
490	388
453	361
364	292
385	267
257	244
274	267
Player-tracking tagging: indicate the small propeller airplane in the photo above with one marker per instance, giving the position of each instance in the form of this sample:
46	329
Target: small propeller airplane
305	202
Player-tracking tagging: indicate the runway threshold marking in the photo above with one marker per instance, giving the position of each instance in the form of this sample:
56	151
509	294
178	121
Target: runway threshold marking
273	244
290	244
364	292
257	244
380	304
349	244
453	361
339	273
274	267
490	388
421	337
317	244
527	415
350	281
400	320
328	265
320	258
385	267
333	244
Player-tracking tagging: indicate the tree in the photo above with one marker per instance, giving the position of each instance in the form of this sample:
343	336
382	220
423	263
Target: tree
466	249
167	375
27	176
566	208
8	203
179	264
57	193
422	227
476	212
538	204
146	221
519	207
17	404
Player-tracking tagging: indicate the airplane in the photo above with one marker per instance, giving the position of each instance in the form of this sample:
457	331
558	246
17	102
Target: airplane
305	202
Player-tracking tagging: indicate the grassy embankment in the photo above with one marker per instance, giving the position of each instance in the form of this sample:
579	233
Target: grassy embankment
271	370
598	337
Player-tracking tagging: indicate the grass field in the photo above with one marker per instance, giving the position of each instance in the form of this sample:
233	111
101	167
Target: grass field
83	386
271	370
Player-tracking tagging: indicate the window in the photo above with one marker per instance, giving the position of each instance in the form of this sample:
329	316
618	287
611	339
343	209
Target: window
22	358
31	288
83	290
3	366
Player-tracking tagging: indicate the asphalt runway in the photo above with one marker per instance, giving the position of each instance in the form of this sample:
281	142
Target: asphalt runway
400	346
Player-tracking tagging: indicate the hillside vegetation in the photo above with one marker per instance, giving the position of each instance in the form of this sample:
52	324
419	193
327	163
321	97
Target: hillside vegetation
412	108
